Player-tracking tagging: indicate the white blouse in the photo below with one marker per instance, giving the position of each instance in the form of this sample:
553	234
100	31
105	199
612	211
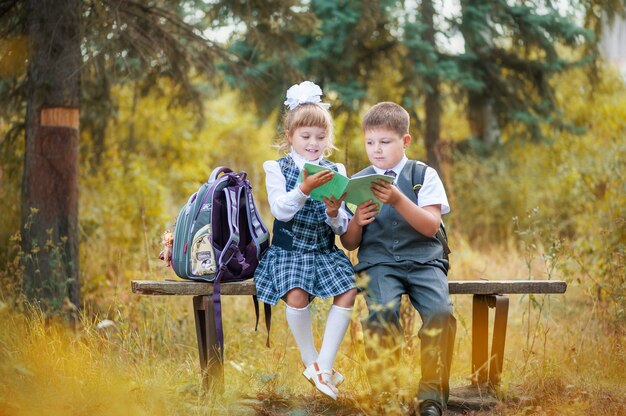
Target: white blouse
284	205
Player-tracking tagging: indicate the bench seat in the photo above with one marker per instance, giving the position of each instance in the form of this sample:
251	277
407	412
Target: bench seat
456	287
486	368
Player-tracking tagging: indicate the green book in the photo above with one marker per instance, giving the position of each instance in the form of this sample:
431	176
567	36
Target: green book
358	190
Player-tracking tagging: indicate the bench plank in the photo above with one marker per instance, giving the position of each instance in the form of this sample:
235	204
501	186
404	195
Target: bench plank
456	287
190	288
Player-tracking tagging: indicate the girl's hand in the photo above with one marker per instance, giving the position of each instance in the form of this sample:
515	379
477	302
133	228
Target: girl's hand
386	192
333	204
365	213
310	182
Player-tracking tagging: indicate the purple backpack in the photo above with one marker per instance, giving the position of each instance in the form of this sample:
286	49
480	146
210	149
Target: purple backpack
220	237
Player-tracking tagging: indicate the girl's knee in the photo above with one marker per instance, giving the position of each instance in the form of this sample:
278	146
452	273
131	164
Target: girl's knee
346	299
297	298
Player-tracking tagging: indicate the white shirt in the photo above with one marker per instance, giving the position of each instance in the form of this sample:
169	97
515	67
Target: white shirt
432	191
284	205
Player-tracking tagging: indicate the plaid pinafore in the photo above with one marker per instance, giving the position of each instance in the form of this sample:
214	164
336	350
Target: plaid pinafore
303	252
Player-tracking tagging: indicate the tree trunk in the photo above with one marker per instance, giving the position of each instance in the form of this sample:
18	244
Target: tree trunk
102	106
432	102
432	107
482	119
481	114
50	182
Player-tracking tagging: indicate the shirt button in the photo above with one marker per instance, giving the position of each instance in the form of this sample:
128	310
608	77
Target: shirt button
395	241
395	223
397	257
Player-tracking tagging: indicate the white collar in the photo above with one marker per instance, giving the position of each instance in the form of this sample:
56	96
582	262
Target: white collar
397	169
299	160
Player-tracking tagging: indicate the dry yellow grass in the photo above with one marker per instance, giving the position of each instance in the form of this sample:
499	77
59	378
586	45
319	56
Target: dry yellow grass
145	360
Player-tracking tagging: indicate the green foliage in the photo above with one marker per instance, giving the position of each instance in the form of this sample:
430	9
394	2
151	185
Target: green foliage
511	53
574	184
357	32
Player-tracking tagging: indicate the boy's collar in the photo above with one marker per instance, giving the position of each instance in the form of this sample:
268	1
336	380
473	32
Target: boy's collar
397	168
299	160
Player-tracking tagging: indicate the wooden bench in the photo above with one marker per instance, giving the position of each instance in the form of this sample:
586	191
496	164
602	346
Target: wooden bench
486	367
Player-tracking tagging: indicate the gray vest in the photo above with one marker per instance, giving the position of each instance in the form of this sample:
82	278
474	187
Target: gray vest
390	238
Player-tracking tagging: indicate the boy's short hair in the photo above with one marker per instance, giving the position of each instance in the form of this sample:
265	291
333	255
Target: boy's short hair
387	115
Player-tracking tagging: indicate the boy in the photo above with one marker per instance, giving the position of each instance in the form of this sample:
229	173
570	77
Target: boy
399	253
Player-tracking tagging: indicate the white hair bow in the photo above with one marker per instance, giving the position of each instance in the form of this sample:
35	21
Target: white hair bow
303	93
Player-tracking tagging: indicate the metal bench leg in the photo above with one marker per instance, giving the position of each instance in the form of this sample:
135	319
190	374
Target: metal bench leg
480	334
211	357
499	336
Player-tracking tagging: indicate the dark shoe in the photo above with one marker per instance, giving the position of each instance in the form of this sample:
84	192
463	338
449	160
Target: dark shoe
429	408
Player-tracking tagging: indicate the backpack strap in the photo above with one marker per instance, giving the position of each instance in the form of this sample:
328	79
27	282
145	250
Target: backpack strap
231	249
258	230
267	310
418	173
260	235
216	172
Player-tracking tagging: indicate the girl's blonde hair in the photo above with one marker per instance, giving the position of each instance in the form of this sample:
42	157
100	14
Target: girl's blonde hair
307	115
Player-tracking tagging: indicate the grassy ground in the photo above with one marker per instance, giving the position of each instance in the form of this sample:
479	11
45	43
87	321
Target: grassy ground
134	355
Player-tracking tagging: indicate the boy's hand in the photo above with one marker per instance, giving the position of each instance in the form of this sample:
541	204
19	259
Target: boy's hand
386	192
366	212
310	182
333	204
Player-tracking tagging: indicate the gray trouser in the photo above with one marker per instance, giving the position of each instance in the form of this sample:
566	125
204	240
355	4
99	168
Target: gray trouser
427	287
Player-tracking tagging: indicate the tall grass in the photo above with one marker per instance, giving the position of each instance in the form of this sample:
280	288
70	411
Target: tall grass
143	359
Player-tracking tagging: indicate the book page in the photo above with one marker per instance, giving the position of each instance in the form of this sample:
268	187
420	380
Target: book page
359	189
335	187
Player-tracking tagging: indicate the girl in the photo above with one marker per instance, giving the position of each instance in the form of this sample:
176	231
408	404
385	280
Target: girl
303	261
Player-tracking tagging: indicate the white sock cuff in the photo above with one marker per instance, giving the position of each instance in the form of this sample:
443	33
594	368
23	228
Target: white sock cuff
341	308
341	311
298	309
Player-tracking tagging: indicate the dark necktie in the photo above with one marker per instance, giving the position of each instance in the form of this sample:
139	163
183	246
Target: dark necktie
390	173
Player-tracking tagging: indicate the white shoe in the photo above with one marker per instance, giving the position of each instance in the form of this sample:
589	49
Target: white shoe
317	376
336	378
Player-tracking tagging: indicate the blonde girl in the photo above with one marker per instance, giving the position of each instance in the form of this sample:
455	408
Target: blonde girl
303	261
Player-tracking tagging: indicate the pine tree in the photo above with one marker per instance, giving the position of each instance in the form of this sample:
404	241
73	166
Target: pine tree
338	44
511	53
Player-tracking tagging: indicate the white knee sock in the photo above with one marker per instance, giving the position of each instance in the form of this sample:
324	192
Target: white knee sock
299	321
336	327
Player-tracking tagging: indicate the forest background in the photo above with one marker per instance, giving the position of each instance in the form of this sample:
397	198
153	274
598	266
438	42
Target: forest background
525	123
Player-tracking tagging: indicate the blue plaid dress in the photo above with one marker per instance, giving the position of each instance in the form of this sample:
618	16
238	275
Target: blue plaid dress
303	252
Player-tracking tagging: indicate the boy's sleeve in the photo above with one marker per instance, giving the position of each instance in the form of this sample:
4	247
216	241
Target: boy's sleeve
433	192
